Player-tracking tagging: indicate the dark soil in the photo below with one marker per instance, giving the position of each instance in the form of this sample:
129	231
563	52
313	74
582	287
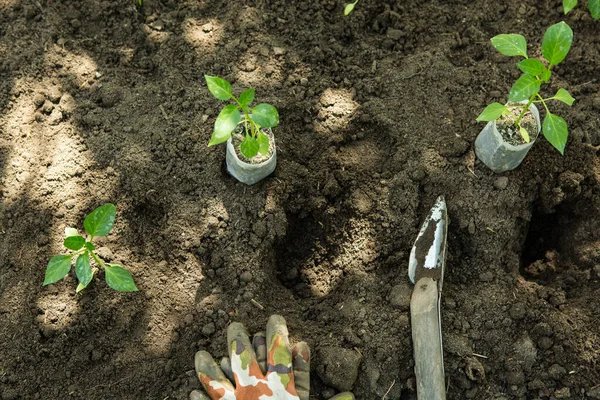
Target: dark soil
101	101
511	133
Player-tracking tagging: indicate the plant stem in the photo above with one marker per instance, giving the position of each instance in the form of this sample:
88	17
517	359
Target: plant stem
98	260
246	116
543	101
525	109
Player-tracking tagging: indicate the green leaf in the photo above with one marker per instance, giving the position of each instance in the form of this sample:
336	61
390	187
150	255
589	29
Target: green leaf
564	96
556	131
525	87
83	270
119	278
57	268
249	147
510	44
90	246
247	97
265	115
524	134
492	112
74	242
594	7
226	122
568	5
219	87
71	232
557	42
545	76
348	9
263	143
100	221
531	66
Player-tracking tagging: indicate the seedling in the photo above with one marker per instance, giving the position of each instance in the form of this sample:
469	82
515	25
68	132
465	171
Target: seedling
349	7
262	116
98	223
555	47
593	6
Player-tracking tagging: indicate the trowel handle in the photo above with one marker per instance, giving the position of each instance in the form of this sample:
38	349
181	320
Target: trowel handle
427	341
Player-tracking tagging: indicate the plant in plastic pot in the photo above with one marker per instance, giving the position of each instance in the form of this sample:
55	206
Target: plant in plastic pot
513	127
251	154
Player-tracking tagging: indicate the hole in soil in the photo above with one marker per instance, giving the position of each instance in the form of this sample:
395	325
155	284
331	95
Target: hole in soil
539	257
301	257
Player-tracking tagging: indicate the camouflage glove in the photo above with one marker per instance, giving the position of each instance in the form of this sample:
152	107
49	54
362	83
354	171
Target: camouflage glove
258	374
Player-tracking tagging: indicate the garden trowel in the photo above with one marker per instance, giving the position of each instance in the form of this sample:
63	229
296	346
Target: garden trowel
426	271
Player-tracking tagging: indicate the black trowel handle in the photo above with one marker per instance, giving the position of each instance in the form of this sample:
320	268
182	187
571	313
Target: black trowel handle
427	340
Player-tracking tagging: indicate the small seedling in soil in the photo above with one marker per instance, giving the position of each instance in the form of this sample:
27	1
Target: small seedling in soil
349	7
98	223
254	119
555	47
593	6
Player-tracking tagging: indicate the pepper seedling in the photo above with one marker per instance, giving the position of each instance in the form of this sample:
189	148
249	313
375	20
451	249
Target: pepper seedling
349	7
555	47
262	116
98	223
593	6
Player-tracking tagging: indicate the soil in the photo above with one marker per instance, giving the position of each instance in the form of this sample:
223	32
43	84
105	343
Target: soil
510	132
102	101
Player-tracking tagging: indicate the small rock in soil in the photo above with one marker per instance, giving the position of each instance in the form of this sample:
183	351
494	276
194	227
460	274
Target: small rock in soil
96	355
486	276
67	104
246	277
105	253
563	393
209	329
556	371
536	384
54	95
545	343
39	100
338	367
395	34
157	25
542	329
400	296
332	187
517	311
47	107
110	96
278	51
69	204
501	183
525	352
55	117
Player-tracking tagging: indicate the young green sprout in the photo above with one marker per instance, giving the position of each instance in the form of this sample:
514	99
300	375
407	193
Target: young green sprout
261	116
555	47
98	223
593	6
349	7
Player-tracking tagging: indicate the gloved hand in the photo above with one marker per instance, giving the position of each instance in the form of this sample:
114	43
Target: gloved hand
259	373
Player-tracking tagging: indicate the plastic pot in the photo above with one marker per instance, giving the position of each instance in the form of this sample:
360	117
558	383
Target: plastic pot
499	155
249	173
